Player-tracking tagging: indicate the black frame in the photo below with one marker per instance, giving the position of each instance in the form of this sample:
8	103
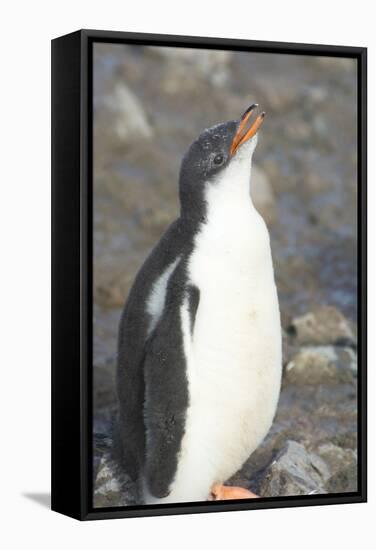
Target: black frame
72	152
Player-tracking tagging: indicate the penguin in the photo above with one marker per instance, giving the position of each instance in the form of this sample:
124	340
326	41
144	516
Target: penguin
199	347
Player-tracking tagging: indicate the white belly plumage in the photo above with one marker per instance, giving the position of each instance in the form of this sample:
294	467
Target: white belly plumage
233	356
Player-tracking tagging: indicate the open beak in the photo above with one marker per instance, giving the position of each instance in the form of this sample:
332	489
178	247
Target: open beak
243	133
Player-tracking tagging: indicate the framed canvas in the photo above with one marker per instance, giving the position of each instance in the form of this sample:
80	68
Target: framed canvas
208	295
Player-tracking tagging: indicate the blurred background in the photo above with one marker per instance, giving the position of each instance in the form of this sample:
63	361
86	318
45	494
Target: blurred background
149	104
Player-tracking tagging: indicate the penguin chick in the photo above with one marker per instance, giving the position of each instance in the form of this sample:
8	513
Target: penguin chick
199	350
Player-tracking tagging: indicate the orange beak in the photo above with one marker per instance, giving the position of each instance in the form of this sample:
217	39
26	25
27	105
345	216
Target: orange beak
243	134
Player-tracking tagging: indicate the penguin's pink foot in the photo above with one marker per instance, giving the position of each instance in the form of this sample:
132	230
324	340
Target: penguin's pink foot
224	492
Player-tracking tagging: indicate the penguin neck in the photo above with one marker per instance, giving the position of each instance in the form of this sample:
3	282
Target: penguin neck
227	193
233	227
230	192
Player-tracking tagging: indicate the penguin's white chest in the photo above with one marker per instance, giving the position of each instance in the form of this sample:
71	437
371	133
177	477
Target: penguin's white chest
234	353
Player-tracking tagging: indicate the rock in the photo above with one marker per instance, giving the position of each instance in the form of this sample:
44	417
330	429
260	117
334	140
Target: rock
343	468
315	94
315	183
104	393
109	490
185	65
111	486
320	126
262	194
277	91
335	63
347	439
158	218
294	471
113	293
129	118
111	289
344	481
324	325
288	348
298	131
322	365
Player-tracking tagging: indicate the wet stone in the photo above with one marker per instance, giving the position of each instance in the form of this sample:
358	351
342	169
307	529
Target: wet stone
322	365
262	194
129	119
112	486
323	325
343	467
111	489
295	471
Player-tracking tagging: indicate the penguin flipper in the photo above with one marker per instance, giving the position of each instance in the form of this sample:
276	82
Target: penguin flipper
166	395
133	340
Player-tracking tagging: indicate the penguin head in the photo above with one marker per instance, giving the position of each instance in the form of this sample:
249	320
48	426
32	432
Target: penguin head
224	148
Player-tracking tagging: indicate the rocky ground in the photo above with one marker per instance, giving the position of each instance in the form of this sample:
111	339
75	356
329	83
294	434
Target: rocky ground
149	104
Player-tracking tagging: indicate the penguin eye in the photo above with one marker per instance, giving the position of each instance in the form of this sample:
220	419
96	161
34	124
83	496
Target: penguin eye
218	159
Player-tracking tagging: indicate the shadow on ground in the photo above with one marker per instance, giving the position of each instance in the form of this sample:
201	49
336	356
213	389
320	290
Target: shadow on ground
43	499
